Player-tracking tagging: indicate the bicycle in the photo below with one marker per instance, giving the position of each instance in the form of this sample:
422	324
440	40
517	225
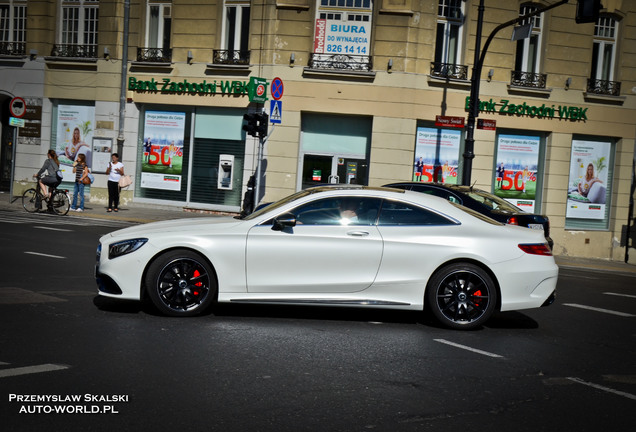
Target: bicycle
57	202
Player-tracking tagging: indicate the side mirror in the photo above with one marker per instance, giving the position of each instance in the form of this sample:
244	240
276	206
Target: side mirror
286	220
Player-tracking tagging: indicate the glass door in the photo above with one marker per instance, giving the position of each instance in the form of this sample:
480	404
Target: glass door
327	169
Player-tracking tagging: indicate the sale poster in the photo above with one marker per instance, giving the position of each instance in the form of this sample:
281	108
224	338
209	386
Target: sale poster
587	187
516	170
436	155
162	161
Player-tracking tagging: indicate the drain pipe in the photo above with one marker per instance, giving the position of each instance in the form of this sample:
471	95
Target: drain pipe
124	71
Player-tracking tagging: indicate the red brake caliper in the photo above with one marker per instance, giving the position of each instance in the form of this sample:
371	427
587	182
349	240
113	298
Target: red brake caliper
199	284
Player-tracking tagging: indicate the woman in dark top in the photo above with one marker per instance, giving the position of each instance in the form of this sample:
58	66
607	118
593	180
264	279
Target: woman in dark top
81	172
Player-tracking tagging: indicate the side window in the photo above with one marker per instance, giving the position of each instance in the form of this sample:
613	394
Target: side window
339	211
397	213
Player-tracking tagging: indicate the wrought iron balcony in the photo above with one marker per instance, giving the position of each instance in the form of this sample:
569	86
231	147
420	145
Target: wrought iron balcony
154	55
231	57
76	51
449	70
603	87
340	62
13	48
528	79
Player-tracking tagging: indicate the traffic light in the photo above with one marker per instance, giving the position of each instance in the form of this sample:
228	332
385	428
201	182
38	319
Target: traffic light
256	124
587	11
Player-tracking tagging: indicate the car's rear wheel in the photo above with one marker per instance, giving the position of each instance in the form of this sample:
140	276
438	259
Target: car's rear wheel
181	283
461	296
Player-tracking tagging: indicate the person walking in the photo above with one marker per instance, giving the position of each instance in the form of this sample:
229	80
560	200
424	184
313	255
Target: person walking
81	171
115	170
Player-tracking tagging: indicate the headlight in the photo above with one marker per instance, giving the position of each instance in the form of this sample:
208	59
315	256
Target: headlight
125	247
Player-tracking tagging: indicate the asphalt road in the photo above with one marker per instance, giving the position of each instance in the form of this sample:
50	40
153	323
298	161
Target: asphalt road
111	365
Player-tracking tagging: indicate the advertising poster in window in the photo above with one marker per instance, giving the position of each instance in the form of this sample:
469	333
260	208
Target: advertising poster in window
516	172
587	186
342	37
74	136
162	161
436	155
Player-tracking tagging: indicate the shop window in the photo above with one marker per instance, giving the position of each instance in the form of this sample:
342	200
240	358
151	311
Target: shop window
437	155
13	27
158	29
78	29
450	18
590	183
604	58
342	39
236	32
528	56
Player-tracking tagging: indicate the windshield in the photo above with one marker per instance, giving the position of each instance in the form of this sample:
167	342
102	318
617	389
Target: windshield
277	204
493	202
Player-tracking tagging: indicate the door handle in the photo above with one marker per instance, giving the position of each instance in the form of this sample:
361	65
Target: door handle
358	233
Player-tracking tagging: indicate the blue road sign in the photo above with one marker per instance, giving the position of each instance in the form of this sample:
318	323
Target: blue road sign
275	111
277	88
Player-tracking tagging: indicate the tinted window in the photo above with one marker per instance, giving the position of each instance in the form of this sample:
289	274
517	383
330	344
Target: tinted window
338	211
397	213
442	193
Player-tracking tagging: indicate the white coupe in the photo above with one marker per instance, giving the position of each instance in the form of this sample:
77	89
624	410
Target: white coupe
335	246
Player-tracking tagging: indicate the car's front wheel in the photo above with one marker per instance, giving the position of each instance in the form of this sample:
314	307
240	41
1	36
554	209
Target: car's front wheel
181	283
461	296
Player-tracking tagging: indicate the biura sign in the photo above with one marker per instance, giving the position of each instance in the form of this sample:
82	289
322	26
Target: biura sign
504	106
167	86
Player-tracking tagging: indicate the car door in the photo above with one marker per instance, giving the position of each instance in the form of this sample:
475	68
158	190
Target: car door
325	252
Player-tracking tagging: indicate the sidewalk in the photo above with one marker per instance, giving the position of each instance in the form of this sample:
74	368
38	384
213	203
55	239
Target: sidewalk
145	213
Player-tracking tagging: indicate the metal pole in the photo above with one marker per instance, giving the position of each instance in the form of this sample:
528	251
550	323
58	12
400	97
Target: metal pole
13	145
124	71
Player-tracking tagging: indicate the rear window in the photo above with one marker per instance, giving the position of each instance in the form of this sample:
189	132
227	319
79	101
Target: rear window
476	214
398	213
493	202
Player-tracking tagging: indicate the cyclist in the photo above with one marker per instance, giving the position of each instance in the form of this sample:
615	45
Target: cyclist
51	166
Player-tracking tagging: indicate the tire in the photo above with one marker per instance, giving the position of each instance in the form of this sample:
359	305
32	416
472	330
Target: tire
181	283
30	201
461	296
60	203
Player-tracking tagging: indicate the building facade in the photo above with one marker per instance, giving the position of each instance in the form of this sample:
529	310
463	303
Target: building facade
363	91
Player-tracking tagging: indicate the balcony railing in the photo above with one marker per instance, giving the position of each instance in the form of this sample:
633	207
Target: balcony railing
340	62
76	51
449	70
231	57
13	48
528	79
154	55
603	87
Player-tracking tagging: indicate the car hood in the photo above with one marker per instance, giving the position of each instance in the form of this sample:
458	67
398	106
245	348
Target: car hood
176	226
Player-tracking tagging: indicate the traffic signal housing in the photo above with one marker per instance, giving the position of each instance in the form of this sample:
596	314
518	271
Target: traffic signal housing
256	124
587	11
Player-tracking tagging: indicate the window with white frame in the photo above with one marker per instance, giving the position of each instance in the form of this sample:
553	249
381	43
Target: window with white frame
604	53
158	25
236	33
450	17
78	28
527	59
13	27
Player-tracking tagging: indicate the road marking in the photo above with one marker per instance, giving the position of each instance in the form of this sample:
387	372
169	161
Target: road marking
620	295
607	311
52	229
31	370
603	388
468	348
45	255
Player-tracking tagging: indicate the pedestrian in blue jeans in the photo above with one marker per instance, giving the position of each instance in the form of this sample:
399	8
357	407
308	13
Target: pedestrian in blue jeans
81	171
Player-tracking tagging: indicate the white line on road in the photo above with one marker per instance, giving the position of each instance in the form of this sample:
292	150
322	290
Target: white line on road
607	311
603	388
31	370
45	255
620	295
468	348
52	229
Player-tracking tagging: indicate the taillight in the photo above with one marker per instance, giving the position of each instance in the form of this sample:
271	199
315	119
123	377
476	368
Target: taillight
512	221
536	249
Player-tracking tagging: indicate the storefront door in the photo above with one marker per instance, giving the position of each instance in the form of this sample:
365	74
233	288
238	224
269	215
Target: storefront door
332	169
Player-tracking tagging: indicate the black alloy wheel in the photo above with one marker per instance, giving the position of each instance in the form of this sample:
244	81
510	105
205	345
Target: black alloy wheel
181	283
461	296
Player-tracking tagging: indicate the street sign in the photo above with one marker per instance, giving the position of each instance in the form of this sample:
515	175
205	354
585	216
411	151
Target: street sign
486	124
277	88
257	90
275	111
18	122
17	107
447	121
